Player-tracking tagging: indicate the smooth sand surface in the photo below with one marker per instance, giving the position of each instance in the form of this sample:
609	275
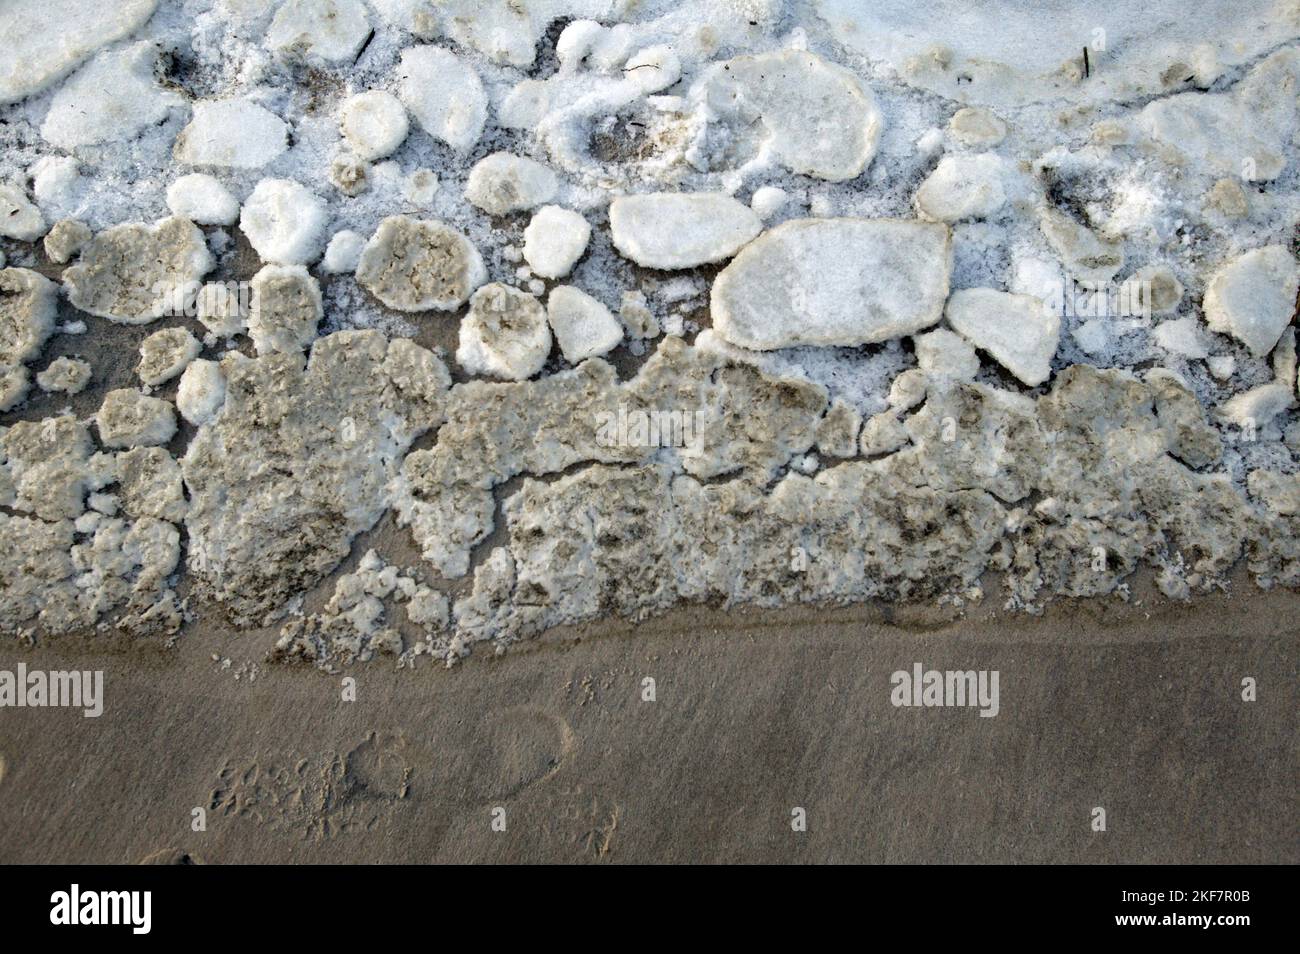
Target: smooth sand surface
1133	708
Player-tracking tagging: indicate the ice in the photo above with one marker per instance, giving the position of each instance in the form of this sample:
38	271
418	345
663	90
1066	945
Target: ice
505	334
284	221
1017	330
201	392
373	123
819	119
47	39
554	241
672	230
966	187
330	30
584	328
202	199
19	219
833	282
113	98
444	94
232	133
502	183
343	252
1253	297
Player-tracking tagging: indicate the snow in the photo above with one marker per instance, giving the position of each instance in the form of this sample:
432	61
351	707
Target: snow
554	241
203	200
833	282
284	221
1017	330
674	230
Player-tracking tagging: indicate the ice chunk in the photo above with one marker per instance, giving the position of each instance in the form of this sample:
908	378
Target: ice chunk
284	222
47	39
373	123
1258	406
977	127
554	241
332	30
767	201
965	187
113	98
1243	132
202	199
505	334
819	119
134	273
15	382
834	282
444	94
65	239
417	265
19	219
502	183
285	310
1017	330
1253	297
28	304
234	133
584	328
128	418
68	375
343	252
1083	254
222	307
945	356
201	392
164	354
681	230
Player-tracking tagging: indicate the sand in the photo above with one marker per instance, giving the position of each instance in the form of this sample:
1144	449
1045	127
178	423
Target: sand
1133	708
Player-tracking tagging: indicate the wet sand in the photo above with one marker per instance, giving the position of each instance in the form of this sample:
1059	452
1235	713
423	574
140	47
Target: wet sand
1133	708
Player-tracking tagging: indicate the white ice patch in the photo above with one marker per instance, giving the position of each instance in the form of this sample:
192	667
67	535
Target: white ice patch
681	230
833	282
331	30
233	133
47	39
202	199
284	222
113	98
554	241
1016	330
444	94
